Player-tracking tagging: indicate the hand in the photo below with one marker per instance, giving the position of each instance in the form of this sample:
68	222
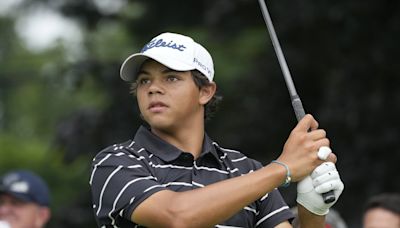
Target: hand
300	150
323	179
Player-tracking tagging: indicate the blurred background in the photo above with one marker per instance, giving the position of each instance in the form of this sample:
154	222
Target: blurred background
62	101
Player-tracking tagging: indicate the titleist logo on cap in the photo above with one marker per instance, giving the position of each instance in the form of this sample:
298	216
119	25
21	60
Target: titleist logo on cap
20	187
161	43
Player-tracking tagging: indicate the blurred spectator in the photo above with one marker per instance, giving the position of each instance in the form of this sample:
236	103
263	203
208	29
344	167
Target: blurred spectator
24	200
382	211
332	219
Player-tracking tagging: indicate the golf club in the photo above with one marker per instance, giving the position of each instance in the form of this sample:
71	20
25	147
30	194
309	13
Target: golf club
296	102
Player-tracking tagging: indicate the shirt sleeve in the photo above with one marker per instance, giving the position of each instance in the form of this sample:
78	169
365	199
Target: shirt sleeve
120	181
272	210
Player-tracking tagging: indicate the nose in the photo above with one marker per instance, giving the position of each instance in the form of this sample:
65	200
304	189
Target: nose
156	87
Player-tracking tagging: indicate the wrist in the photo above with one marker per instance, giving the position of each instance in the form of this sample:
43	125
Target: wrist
312	208
309	219
288	178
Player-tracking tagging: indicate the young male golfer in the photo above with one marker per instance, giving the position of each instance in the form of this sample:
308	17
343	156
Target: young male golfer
171	174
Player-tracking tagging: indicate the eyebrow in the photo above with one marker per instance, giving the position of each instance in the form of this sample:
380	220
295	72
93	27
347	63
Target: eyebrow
167	70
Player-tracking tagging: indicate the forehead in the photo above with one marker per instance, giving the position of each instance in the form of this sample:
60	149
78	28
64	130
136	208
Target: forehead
151	64
380	216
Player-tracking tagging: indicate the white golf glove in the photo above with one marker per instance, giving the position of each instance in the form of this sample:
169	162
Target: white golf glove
323	179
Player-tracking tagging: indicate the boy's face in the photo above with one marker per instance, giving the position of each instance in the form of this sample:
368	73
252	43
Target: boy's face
168	99
21	214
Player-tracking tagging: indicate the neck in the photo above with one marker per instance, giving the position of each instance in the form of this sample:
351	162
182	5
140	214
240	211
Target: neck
188	138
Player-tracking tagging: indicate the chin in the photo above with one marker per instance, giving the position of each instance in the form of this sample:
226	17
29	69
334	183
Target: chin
159	124
161	127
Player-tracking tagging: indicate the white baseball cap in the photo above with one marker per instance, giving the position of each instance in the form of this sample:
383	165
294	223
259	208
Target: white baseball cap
175	51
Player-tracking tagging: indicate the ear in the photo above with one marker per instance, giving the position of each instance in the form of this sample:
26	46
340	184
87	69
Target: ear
207	92
43	217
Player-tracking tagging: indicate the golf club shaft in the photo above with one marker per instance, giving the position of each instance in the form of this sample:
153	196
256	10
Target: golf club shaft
296	102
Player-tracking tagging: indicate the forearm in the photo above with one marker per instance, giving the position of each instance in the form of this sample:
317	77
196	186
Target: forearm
210	205
220	201
308	219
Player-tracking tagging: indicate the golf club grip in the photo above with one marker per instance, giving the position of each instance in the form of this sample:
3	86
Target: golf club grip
328	197
298	107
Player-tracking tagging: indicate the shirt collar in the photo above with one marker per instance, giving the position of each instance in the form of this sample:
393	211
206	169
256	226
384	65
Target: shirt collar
167	152
209	146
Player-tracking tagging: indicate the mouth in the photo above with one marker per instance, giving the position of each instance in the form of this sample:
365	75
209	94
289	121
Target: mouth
157	106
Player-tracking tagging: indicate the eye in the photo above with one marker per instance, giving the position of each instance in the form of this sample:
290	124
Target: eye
172	78
143	81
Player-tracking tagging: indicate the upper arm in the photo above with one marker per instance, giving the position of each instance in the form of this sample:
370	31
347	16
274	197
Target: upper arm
119	183
273	210
153	211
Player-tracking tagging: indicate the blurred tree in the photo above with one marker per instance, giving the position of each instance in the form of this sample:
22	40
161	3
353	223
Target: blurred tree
60	106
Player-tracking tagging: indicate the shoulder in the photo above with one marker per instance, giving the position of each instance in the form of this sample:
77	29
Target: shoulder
120	151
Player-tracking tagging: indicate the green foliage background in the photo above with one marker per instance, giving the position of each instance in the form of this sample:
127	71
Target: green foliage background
57	109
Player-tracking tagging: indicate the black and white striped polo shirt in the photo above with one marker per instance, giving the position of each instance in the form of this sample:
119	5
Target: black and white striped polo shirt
124	175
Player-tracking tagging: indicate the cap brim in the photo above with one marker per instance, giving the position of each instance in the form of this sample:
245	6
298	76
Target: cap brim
131	66
19	196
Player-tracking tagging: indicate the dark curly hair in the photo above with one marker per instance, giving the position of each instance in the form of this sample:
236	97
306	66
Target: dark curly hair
200	80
